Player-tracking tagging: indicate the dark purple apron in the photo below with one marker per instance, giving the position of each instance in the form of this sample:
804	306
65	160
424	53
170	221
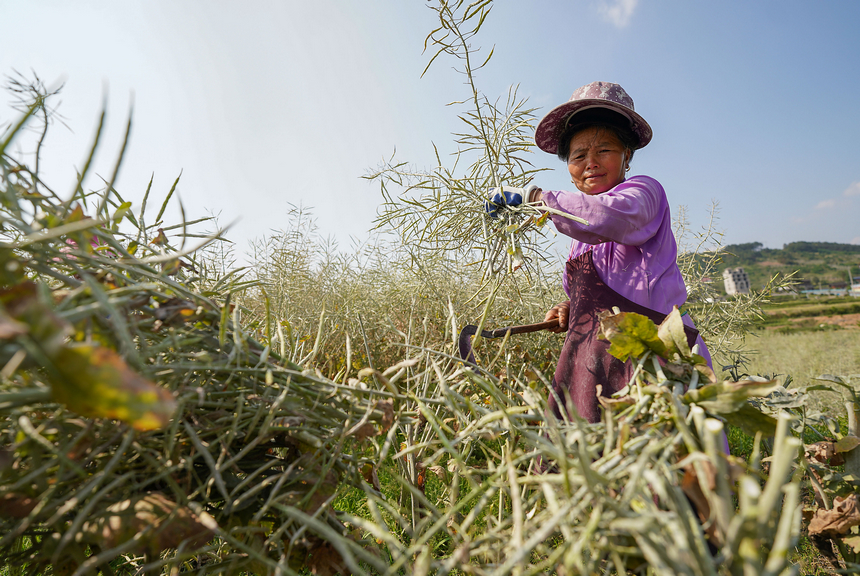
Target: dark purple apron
585	361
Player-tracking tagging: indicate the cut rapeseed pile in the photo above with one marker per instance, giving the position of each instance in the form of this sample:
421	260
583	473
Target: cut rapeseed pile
142	426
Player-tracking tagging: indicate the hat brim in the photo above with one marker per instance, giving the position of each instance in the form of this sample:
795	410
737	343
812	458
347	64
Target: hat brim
552	126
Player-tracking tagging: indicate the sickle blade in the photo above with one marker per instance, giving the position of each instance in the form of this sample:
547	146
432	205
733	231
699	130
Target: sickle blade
465	343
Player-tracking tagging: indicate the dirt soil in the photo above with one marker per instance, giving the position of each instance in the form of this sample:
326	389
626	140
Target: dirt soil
849	321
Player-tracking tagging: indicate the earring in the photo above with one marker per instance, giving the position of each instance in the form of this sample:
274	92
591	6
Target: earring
627	169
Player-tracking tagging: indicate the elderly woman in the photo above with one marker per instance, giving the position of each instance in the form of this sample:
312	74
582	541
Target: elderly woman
625	257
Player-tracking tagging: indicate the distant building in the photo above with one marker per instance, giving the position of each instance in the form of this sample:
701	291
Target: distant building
736	281
854	288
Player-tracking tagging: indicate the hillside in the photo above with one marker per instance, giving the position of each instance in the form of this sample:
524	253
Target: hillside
817	264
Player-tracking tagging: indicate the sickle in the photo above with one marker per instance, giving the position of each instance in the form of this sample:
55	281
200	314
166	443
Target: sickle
465	340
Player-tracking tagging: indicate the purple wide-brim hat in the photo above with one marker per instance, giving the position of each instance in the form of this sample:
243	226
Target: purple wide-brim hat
594	95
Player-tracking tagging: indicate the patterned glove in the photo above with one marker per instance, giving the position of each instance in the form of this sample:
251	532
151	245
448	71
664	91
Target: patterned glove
502	197
508	196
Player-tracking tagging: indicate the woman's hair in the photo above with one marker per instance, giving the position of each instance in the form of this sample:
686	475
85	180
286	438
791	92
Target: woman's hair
597	118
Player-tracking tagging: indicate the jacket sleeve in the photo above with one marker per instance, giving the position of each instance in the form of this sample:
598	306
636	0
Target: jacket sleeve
629	214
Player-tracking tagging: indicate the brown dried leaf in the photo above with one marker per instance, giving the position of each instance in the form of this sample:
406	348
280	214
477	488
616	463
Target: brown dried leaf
820	451
321	494
677	370
7	459
439	471
368	472
692	487
14	505
420	477
325	560
10	328
387	408
453	524
366	430
169	524
177	311
837	521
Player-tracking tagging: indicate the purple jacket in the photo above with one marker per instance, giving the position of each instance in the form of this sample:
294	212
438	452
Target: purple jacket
630	234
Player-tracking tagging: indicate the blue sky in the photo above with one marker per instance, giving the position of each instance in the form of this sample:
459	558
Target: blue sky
267	104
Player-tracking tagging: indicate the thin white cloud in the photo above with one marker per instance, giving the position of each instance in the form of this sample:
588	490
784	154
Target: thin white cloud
617	12
855	240
825	204
853	190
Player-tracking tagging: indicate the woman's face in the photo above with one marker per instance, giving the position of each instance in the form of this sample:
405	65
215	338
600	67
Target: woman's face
597	160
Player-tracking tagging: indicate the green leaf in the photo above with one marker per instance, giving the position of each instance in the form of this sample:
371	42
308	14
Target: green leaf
727	397
831	378
96	382
121	211
819	387
751	420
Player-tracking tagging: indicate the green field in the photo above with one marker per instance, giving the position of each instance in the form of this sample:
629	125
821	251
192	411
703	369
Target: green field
804	356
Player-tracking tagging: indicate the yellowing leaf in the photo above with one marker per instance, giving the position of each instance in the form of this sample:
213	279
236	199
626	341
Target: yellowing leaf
96	382
630	335
671	333
847	443
76	215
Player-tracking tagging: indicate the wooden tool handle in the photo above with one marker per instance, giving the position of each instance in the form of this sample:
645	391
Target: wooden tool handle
524	329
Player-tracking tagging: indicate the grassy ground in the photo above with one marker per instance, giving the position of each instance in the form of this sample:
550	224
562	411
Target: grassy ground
804	354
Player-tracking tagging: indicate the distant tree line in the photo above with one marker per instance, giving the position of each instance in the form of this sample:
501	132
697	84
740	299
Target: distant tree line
816	264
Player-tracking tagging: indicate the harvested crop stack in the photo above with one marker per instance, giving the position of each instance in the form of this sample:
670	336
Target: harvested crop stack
143	428
648	489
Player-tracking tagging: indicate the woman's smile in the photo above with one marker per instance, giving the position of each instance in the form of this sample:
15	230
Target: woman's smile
597	160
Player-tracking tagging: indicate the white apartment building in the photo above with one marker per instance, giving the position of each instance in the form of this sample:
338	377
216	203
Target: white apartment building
736	281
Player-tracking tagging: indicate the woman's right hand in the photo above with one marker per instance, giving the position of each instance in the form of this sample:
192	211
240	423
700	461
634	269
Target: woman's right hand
561	312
